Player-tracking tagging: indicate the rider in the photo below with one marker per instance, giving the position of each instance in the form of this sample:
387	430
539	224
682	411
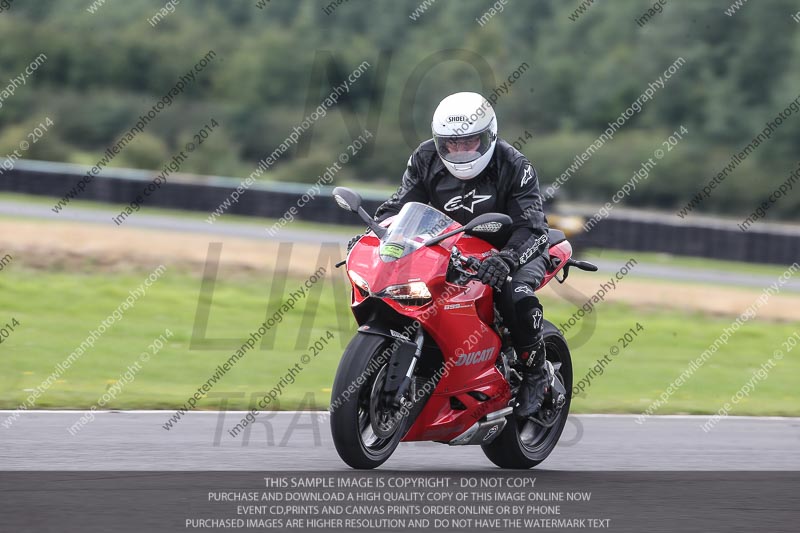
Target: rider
465	171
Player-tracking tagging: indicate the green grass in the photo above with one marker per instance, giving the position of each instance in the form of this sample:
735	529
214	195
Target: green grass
663	349
56	311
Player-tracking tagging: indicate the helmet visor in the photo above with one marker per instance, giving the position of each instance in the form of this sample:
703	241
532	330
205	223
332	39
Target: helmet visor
464	148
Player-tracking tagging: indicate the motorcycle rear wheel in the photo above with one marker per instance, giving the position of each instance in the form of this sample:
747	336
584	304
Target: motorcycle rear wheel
364	431
523	443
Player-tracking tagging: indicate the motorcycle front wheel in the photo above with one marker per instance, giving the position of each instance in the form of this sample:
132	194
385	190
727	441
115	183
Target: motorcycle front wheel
365	430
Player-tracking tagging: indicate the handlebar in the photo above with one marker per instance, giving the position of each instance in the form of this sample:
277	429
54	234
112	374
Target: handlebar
472	263
583	265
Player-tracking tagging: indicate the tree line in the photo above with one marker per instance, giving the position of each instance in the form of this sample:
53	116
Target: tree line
277	63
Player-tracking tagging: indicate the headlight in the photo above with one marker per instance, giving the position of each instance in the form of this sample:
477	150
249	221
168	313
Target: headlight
359	282
415	293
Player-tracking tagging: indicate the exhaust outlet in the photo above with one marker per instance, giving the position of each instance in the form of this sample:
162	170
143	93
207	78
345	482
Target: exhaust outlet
484	431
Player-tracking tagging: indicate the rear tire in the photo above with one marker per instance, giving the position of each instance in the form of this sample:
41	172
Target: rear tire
525	444
352	427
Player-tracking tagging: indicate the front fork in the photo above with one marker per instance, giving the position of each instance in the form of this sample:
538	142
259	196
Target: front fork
406	383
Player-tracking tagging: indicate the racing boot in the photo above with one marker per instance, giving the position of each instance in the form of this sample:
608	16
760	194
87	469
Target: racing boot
535	381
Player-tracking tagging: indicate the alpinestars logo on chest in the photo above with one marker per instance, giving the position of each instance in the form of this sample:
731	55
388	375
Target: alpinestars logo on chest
467	202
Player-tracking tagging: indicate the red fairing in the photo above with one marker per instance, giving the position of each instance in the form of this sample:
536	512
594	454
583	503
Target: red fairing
459	320
559	253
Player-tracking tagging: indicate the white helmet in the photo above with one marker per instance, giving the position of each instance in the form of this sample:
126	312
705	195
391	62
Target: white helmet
465	132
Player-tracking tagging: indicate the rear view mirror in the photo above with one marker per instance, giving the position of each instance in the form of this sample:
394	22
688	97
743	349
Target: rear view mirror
488	222
494	222
347	199
489	227
350	200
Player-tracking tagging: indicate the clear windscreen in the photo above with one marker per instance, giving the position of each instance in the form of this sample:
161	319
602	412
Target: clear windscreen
414	225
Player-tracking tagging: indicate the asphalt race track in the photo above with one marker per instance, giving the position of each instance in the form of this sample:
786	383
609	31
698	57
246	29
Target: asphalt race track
136	440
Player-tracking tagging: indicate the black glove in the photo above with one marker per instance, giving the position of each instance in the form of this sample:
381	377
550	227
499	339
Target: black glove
496	268
352	242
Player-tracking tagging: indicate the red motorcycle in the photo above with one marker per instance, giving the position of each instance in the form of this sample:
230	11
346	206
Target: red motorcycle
431	360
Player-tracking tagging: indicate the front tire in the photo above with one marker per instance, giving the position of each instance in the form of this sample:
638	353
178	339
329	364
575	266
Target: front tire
365	433
524	444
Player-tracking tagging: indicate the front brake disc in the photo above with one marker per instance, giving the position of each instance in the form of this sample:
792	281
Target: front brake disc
383	419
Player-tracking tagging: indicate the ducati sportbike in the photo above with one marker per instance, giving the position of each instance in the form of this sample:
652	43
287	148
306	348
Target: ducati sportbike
431	360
